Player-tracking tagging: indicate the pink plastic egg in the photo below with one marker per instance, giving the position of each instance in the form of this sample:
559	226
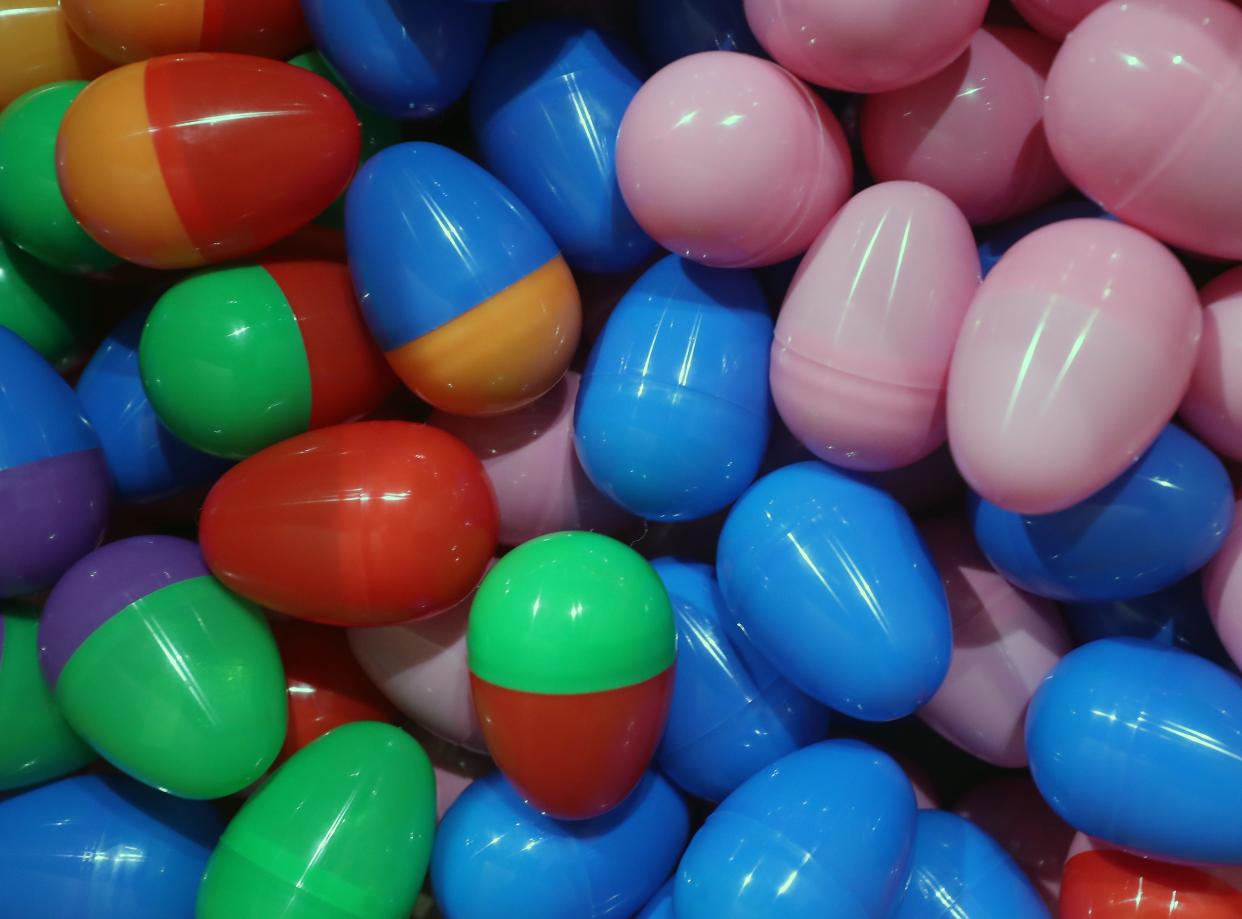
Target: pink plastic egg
1004	643
973	130
1213	404
861	348
1222	589
731	160
1055	18
529	458
865	46
1075	353
1144	114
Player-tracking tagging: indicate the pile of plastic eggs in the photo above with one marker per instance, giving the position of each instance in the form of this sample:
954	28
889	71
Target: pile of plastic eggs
688	459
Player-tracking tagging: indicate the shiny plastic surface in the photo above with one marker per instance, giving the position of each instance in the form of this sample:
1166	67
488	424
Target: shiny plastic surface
1072	358
421	667
544	110
102	847
1055	18
678	28
236	359
133	30
1159	521
972	130
461	287
1212	408
1012	811
147	462
530	460
404	58
673	414
732	713
36	744
729	160
325	686
832	583
863	46
170	677
571	644
33	213
38	47
998	240
54	489
861	351
958	870
1141	745
1144	114
1222	589
828	829
343	829
495	856
1004	643
188	159
371	523
47	309
660	906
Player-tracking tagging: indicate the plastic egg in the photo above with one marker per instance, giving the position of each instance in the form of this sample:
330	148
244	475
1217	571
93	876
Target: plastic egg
732	713
191	159
54	488
133	30
661	905
1144	114
829	579
33	213
1222	589
1055	18
325	686
1213	404
1105	883
863	341
371	523
1159	521
46	309
862	46
730	160
36	744
678	28
1004	643
958	870
236	359
170	677
529	456
1072	358
146	461
544	110
343	829
38	47
827	829
103	847
495	856
1141	745
973	130
673	414
463	290
403	58
455	768
1000	239
1176	616
421	667
571	644
1012	811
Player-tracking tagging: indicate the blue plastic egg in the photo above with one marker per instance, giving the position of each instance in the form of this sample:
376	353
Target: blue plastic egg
1000	239
1141	745
1160	520
496	856
145	460
957	871
678	28
403	58
661	905
545	110
673	411
732	713
54	487
825	831
103	847
833	585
